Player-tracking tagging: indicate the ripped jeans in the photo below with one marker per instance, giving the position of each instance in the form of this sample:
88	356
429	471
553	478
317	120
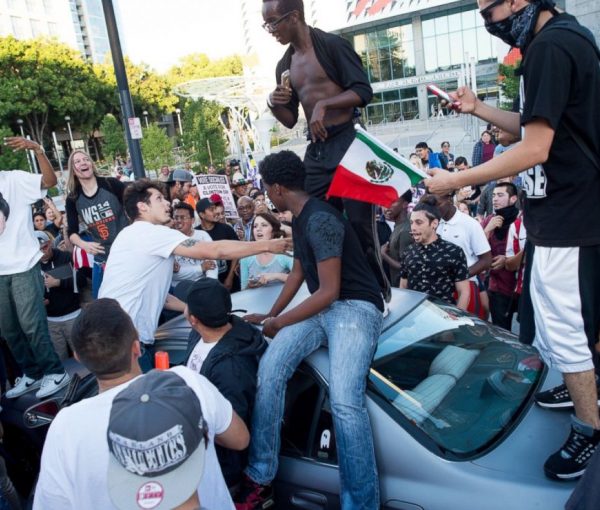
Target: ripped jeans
350	330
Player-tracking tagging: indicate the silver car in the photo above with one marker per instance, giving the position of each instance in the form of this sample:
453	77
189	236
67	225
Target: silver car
451	404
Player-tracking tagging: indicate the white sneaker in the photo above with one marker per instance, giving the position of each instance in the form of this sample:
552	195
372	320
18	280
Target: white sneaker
22	386
51	383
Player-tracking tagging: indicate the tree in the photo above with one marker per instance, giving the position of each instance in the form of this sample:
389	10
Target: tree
157	147
149	91
10	160
201	127
113	137
42	81
198	66
509	85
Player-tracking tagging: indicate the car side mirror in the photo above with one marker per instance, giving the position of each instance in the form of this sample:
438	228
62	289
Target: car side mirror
41	414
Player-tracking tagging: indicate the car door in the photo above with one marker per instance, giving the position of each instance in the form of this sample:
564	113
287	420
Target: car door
308	476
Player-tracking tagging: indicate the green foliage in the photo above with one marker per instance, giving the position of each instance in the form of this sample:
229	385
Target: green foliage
43	81
509	84
157	148
201	127
197	66
113	138
10	160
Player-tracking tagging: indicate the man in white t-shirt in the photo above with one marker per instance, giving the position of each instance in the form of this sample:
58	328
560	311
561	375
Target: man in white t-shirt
186	269
74	472
459	228
23	320
139	269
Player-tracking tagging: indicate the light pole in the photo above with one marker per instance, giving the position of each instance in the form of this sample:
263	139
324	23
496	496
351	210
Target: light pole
20	123
29	155
145	114
178	112
68	121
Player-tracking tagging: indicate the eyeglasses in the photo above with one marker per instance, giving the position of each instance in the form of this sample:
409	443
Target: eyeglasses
271	26
486	13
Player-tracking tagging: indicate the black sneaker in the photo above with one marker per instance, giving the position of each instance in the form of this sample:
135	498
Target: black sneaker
558	397
254	496
571	460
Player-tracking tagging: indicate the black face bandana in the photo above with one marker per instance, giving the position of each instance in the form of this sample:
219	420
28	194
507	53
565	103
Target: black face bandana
509	215
518	29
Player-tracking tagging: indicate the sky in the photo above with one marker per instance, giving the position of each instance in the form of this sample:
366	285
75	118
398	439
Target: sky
159	32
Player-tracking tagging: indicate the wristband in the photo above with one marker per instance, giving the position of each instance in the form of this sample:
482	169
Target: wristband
269	104
40	150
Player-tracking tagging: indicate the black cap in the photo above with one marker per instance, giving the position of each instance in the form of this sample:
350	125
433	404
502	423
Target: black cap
205	203
209	302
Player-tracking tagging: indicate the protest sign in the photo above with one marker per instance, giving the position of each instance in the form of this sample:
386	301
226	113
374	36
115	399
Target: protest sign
210	184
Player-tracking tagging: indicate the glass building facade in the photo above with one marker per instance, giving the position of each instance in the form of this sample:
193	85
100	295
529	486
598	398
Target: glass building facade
90	29
402	54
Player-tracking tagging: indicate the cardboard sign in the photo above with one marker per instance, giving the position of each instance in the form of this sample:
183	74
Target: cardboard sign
209	184
135	128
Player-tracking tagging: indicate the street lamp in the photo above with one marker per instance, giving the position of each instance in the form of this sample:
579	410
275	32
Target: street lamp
68	120
20	123
145	114
178	112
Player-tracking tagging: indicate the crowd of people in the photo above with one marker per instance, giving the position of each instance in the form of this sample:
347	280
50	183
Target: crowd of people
95	280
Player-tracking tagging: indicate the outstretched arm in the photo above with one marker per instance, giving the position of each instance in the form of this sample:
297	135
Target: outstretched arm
229	250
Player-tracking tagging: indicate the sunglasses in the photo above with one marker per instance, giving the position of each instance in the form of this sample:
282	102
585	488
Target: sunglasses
487	12
271	26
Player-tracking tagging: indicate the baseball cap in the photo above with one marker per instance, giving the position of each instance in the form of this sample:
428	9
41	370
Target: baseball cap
209	302
180	175
205	203
157	438
42	237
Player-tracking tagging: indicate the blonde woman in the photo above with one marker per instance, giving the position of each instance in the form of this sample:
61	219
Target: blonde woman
98	203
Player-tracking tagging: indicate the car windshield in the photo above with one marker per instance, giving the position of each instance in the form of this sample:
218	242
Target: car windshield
459	379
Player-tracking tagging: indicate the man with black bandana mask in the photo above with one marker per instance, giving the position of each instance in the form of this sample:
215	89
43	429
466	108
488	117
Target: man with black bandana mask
502	283
559	157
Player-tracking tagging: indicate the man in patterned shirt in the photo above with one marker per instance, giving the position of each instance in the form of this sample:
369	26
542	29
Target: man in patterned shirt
433	265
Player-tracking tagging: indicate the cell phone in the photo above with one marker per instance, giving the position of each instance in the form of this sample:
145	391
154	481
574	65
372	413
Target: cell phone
442	94
285	78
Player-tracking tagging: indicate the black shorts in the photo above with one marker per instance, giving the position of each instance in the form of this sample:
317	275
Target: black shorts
322	158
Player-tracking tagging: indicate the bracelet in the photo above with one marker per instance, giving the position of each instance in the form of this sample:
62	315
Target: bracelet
269	104
40	150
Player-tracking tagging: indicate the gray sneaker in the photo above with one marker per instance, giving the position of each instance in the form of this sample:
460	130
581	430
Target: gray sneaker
23	385
51	383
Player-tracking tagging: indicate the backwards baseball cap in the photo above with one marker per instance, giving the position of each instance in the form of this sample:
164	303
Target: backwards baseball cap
209	302
180	175
157	439
205	203
42	237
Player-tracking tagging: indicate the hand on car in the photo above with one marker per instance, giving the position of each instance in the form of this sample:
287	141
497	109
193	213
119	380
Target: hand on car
271	327
255	318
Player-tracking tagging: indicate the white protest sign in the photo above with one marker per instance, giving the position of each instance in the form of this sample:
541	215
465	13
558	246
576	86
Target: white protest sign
135	128
210	184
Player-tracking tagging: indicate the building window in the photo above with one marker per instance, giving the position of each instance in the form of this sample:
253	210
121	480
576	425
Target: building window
53	29
37	28
49	7
19	28
453	37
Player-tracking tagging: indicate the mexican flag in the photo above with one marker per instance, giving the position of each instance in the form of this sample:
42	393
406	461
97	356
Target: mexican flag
372	172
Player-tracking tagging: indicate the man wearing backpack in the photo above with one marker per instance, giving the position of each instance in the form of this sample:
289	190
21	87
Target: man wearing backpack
559	157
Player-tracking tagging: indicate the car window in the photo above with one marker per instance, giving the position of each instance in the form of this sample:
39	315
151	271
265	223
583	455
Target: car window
302	397
458	379
308	425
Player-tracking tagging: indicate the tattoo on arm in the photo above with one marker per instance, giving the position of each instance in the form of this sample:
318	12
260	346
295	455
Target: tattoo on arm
189	242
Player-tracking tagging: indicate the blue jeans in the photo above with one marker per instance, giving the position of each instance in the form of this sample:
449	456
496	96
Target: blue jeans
97	276
350	330
24	324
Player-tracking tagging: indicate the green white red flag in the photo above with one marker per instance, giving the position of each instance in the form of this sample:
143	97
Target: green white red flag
372	172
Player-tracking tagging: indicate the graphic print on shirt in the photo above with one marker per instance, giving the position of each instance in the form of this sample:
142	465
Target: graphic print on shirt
534	180
4	213
97	216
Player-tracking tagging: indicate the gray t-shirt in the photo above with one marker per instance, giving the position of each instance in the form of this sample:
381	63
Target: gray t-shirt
102	213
